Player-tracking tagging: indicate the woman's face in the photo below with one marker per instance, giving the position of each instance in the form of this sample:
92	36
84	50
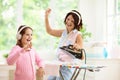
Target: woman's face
27	37
69	23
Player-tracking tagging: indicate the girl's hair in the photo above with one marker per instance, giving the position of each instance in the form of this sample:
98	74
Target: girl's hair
77	19
21	31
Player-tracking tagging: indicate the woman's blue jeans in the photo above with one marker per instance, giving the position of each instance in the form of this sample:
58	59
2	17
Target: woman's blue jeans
66	73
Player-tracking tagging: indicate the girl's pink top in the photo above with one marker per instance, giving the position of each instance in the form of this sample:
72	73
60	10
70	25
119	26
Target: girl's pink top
25	63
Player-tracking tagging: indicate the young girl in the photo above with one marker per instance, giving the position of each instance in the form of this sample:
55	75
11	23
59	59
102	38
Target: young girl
24	56
70	35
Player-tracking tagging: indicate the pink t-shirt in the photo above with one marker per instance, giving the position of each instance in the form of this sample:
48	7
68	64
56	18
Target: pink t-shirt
25	63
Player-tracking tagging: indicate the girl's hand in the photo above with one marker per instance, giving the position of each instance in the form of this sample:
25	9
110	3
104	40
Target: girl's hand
40	72
27	47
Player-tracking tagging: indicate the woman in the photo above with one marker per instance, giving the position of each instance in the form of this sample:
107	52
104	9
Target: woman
68	36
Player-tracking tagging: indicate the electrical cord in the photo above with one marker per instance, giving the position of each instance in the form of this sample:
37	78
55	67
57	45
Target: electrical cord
85	63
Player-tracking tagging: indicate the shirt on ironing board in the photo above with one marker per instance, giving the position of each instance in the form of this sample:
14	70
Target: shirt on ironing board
65	40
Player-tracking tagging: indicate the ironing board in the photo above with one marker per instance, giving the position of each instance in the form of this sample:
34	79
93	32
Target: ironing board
92	68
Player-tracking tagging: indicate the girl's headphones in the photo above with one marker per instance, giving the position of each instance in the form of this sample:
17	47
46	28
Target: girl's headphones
19	36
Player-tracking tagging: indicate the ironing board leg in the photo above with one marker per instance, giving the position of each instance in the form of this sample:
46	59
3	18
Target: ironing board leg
73	73
75	76
61	75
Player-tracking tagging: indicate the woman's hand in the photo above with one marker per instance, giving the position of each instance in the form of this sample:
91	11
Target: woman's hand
47	12
76	46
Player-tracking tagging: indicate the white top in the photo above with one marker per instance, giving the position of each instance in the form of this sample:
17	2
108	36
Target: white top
65	40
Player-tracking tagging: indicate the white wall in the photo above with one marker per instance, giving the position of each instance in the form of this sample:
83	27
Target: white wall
94	15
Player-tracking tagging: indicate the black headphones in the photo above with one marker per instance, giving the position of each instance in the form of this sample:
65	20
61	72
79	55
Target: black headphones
75	12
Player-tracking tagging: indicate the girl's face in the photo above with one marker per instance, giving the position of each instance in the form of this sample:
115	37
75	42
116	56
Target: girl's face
27	37
69	23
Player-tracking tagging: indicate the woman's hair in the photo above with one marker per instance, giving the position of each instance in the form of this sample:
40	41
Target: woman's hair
20	33
77	19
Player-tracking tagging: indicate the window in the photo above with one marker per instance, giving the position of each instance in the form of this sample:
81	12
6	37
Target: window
114	21
113	24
